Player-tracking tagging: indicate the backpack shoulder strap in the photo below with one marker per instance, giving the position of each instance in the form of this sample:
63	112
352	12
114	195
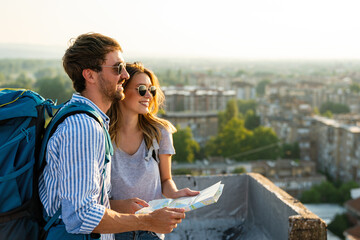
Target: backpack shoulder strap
61	115
153	151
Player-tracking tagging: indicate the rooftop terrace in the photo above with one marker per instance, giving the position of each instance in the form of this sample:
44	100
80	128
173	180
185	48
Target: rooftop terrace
250	208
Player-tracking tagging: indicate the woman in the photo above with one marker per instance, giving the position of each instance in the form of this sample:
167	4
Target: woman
141	165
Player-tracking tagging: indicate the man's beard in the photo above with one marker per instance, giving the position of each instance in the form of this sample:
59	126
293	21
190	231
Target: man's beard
108	92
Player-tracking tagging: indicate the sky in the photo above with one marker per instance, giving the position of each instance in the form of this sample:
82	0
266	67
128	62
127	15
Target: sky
242	29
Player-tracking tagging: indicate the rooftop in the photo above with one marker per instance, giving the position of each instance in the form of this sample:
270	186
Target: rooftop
250	208
337	124
353	205
353	233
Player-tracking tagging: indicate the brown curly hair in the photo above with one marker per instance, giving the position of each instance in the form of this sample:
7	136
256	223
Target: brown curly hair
87	51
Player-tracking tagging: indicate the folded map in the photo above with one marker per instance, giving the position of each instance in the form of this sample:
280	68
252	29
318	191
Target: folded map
206	197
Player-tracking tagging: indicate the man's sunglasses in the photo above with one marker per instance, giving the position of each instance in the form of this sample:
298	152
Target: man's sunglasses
119	67
142	90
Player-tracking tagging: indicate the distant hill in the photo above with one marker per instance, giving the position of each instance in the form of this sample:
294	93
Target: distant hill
29	51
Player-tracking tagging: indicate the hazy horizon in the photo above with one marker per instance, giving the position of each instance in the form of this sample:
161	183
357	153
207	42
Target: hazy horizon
232	29
53	52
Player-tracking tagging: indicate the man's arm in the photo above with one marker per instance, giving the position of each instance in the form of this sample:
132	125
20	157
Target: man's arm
161	221
81	154
131	205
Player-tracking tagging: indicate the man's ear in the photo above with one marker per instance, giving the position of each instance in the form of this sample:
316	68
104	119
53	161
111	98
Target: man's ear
89	75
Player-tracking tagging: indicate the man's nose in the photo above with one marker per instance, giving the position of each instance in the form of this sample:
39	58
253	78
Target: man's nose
124	74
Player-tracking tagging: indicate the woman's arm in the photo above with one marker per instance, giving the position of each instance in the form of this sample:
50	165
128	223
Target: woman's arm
168	185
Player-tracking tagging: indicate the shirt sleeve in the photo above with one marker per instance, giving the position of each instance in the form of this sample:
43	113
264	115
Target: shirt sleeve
81	160
166	142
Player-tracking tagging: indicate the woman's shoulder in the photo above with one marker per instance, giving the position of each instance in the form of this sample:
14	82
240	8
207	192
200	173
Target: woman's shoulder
165	126
165	131
166	142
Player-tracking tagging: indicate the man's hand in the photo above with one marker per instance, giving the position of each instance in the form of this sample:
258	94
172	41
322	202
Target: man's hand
165	220
128	205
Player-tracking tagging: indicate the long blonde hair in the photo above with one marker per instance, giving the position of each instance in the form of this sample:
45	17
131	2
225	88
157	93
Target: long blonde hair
148	123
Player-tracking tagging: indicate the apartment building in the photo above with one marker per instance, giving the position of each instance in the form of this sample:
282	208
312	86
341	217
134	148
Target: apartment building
203	125
196	99
337	148
197	108
244	90
288	117
280	89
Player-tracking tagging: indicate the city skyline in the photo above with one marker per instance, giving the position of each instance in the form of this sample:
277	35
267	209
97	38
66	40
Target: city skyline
258	29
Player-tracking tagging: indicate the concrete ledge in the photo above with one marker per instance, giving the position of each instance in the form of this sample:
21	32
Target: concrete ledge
306	228
251	207
304	225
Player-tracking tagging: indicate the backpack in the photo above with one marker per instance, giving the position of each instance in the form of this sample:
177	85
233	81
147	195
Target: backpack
153	151
23	140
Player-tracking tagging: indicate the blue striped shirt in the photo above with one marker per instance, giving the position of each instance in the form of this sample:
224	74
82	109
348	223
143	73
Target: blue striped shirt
73	177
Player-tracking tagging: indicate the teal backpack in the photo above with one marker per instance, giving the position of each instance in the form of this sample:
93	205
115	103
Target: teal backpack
23	140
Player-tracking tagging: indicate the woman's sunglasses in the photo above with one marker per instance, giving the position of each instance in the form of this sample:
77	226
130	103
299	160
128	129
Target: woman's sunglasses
142	90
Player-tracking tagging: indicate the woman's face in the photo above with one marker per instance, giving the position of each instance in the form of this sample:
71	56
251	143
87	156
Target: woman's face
133	101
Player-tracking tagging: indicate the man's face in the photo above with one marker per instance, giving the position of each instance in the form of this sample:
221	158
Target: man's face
110	81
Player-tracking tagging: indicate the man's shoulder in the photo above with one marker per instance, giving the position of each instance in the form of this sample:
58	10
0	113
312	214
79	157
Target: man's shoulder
80	122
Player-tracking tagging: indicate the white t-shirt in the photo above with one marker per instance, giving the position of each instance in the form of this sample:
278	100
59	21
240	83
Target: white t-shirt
134	176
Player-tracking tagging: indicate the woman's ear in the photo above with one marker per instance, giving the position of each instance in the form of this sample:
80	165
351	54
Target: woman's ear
89	75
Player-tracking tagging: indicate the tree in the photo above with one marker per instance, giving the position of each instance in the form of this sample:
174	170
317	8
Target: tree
186	147
311	196
260	88
161	111
290	151
339	225
239	170
14	66
45	73
345	190
233	139
239	73
231	110
316	111
2	78
327	114
57	88
335	108
22	81
355	88
169	77
246	105
264	141
181	171
252	121
230	113
327	192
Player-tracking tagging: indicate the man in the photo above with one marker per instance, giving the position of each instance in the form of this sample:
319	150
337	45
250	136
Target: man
72	179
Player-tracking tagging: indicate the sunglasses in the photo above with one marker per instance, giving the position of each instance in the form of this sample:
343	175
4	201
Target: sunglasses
119	67
142	90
